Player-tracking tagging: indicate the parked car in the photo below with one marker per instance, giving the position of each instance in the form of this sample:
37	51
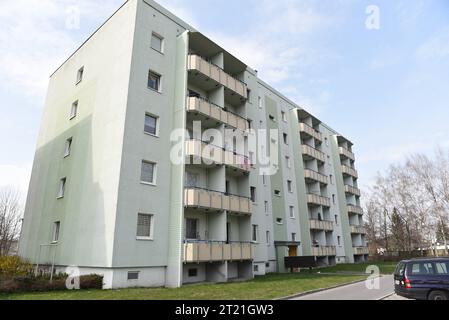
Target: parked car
423	279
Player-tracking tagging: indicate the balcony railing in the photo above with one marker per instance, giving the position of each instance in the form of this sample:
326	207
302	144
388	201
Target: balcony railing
358	229
315	176
217	74
313	153
215	112
349	171
346	153
210	251
211	154
354	209
321	225
318	200
214	200
323	251
311	132
361	250
352	190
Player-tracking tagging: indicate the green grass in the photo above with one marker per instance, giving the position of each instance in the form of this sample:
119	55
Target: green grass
385	267
265	287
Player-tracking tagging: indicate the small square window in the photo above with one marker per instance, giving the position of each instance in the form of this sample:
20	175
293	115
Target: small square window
151	124
56	228
279	221
157	42
133	275
144	226
193	273
61	190
277	193
154	81
80	74
74	110
68	147
147	174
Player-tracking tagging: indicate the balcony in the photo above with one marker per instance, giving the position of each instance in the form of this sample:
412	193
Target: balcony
312	175
216	201
361	250
321	225
310	153
352	190
318	200
355	209
216	75
216	251
349	171
345	153
237	161
323	251
212	111
357	229
310	132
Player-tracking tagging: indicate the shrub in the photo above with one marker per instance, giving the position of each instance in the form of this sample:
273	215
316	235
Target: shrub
11	266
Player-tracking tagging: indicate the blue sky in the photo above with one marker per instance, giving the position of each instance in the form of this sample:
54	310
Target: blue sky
386	89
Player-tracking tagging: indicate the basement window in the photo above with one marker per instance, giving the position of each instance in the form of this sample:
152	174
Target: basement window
133	275
193	273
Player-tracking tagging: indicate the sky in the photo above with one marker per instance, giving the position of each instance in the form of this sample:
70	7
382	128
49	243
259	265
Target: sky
383	83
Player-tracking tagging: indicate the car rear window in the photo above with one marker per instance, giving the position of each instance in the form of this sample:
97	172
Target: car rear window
442	267
422	268
400	269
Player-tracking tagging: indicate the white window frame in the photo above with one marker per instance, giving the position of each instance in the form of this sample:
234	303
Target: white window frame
68	147
154	73
151	236
153	183
284	116
80	75
62	187
290	186
156	134
288	163
255	232
292	213
56	232
74	110
161	38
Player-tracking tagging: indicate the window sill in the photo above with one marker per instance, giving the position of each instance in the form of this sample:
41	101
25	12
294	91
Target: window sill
148	184
59	197
154	90
66	155
160	52
151	135
144	239
78	82
71	118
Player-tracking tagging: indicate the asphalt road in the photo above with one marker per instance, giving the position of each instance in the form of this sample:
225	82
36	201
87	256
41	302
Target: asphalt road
356	291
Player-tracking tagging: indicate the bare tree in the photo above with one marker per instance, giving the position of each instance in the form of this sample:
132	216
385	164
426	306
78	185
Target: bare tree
10	218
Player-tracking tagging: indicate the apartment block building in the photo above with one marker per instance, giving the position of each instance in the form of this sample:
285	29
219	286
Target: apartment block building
124	185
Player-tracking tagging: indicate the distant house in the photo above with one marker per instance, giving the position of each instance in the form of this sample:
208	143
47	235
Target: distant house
14	248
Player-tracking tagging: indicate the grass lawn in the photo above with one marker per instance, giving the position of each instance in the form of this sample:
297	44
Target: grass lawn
385	267
265	287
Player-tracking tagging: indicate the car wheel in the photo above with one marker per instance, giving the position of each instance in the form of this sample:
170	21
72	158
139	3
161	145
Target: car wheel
438	295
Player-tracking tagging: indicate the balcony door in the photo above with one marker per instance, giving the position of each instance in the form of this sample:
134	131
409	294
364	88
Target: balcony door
192	229
293	251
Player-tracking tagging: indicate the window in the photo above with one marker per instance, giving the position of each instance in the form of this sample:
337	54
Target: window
193	273
151	124
264	179
400	269
284	116
285	138
133	275
422	268
251	159
272	118
147	174
61	190
267	264
268	237
248	94
191	179
331	178
74	110
154	81
293	236
339	240
145	226
227	187
287	162
157	42
266	206
279	220
68	147
255	232
442	268
256	268
336	219
56	227
80	74
250	124
333	198
260	103
253	194
277	193
192	228
260	124
292	212
289	186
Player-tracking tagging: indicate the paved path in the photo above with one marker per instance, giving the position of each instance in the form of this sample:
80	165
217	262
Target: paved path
356	291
